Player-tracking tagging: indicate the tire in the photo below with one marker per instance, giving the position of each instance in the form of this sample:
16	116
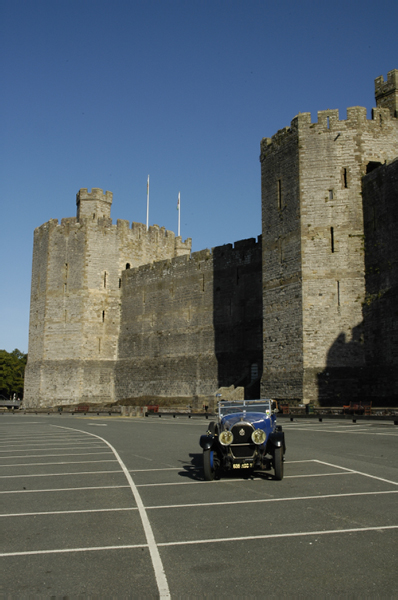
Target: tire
208	466
278	463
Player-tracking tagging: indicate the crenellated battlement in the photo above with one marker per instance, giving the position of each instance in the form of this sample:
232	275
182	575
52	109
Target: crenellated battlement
386	92
95	194
328	121
232	254
154	237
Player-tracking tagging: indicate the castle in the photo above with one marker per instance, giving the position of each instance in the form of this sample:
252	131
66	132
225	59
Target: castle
306	313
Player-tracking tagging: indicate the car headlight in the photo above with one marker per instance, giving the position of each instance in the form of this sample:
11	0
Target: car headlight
226	438
258	436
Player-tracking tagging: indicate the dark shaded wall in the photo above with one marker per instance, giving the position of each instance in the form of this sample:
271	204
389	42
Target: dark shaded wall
376	336
237	315
380	310
190	325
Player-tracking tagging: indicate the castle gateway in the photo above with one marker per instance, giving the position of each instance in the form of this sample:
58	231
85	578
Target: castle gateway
309	309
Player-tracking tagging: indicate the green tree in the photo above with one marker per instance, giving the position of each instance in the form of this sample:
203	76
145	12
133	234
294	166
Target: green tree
12	370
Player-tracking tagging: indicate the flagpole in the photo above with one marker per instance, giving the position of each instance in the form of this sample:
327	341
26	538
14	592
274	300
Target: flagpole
147	204
179	213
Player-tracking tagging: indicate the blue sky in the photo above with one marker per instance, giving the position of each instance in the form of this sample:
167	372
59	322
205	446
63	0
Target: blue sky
102	93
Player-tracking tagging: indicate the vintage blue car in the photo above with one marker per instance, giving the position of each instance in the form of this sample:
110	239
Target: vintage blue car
245	436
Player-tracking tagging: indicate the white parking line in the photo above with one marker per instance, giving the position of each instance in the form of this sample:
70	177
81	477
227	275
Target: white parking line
350	431
357	472
54	448
71	489
264	500
238	479
69	512
69	462
57	474
279	535
160	574
69	550
63	454
163	592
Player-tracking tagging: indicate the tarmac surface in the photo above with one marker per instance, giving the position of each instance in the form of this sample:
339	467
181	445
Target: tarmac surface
101	507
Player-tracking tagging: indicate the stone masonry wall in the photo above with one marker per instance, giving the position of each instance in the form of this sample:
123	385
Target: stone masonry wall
334	156
191	324
320	220
282	296
75	299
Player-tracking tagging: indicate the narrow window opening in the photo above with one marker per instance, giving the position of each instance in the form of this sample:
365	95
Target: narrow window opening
332	239
203	283
338	293
99	345
120	283
279	191
103	316
93	216
105	279
127	265
345	178
330	194
328	122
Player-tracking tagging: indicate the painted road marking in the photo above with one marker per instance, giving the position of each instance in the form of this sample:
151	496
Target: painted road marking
160	574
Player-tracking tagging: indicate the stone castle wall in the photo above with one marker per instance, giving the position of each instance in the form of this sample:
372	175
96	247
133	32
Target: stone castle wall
312	203
282	297
120	312
191	324
75	299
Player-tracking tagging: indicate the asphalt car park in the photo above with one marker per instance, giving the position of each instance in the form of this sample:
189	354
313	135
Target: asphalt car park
117	507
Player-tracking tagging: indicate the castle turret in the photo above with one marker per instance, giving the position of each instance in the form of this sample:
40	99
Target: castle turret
386	92
93	205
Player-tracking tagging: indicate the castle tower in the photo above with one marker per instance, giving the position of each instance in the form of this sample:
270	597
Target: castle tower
313	255
386	92
75	299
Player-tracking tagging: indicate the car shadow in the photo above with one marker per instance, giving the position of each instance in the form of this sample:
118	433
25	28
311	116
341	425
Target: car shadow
194	470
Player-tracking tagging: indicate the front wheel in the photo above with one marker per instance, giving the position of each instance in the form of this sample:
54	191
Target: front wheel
208	465
278	463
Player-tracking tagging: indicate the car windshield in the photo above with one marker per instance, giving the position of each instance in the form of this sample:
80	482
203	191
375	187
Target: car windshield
228	407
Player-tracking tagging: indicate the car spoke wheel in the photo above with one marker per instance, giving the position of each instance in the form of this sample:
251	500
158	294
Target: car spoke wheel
278	463
208	465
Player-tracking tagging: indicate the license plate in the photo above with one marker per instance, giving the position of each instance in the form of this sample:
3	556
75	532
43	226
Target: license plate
241	466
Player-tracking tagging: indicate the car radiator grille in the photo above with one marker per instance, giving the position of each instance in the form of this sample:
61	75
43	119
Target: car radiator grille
246	451
242	446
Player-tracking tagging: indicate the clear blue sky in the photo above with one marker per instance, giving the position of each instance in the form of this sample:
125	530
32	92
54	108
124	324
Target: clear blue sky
101	93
